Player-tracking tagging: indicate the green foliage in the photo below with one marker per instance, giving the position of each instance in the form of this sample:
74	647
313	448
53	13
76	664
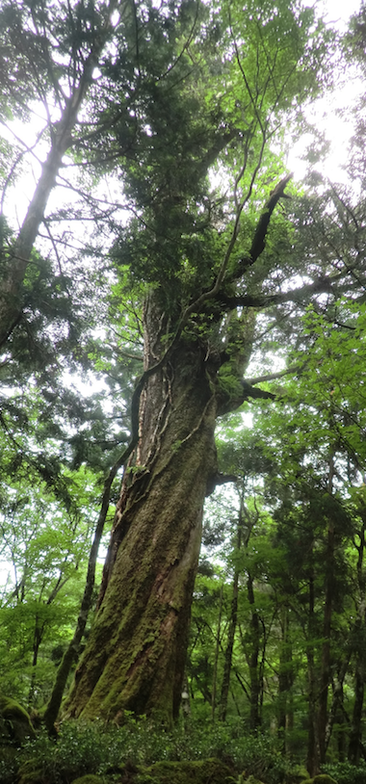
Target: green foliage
98	749
345	773
88	779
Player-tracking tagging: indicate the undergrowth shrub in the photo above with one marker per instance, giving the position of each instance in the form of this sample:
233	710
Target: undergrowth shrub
98	748
345	773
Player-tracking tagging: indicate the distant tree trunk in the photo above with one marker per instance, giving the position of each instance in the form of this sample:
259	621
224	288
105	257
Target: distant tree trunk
253	650
355	740
284	679
135	656
325	662
225	686
217	651
72	651
37	639
186	703
312	761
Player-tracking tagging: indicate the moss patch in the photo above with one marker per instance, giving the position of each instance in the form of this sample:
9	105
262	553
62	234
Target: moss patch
89	779
297	775
200	772
321	778
15	723
249	780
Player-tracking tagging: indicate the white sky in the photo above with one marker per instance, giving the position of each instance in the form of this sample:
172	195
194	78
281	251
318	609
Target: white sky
337	130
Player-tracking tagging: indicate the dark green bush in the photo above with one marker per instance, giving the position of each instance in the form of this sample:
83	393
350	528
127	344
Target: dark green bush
9	764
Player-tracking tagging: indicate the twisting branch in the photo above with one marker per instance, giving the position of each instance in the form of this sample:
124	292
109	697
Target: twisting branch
259	240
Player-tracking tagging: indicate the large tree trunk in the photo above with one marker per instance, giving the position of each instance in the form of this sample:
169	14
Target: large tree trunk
135	655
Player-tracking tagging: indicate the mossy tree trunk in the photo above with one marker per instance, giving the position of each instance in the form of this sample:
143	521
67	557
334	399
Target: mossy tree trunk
135	656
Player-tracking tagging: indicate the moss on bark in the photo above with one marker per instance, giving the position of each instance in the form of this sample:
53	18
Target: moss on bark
134	659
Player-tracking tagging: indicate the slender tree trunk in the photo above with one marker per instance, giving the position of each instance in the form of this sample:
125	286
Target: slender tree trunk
72	652
325	662
327	622
252	658
312	761
355	740
225	686
38	636
284	678
216	659
135	656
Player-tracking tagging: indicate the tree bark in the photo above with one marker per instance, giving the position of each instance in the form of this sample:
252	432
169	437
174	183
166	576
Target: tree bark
135	656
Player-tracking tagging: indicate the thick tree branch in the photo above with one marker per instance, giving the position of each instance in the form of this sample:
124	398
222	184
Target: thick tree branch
273	376
321	285
253	392
259	240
